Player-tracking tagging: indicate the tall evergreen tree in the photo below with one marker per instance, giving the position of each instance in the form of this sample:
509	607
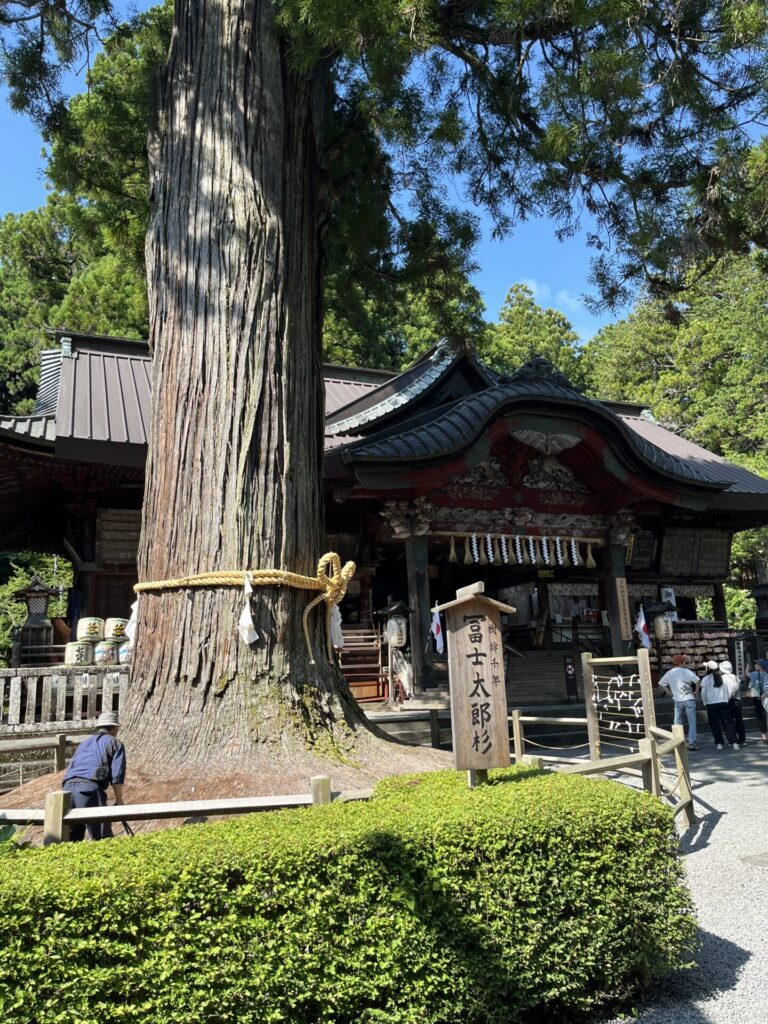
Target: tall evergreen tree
626	109
525	329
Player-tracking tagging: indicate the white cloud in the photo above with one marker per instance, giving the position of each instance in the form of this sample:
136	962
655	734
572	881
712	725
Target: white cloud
566	299
541	292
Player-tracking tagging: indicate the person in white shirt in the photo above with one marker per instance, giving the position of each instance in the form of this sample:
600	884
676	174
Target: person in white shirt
715	696
681	684
734	688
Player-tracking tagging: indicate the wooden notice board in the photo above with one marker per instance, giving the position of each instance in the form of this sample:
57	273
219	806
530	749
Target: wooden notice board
476	671
622	600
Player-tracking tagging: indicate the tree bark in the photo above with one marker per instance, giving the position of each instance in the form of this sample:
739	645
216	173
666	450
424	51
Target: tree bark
234	471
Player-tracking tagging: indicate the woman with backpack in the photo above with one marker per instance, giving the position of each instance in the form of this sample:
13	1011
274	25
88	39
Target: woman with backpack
716	696
758	691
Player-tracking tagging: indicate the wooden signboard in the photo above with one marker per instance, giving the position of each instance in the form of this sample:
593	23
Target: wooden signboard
622	601
476	673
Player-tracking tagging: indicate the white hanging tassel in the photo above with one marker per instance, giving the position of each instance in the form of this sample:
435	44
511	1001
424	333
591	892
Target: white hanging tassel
475	549
452	553
130	626
545	550
504	550
467	552
337	635
245	626
575	557
532	550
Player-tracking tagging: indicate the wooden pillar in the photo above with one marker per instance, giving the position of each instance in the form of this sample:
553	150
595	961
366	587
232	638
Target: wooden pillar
719	609
417	565
616	570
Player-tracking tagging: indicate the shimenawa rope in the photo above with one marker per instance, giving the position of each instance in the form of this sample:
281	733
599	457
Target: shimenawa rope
331	580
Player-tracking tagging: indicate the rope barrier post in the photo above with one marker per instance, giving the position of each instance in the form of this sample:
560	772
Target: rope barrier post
593	728
61	752
517	736
651	779
321	789
534	762
684	777
55	829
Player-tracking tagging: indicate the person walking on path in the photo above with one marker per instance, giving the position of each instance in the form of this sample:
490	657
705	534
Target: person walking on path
758	690
98	763
681	683
715	696
734	701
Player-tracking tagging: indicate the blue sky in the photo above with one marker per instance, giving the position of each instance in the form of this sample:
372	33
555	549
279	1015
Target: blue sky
556	272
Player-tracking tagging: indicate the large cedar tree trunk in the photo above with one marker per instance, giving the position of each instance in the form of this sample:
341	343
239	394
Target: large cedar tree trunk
234	471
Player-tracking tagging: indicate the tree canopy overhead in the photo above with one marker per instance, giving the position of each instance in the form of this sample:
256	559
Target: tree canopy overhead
639	119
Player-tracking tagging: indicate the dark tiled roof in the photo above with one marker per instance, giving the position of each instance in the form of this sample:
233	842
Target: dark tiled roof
344	385
401	390
453	428
735	478
40	429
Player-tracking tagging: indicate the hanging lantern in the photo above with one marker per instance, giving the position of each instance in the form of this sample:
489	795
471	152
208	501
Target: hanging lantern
396	631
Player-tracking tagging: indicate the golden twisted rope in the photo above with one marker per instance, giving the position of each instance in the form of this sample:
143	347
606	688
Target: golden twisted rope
331	580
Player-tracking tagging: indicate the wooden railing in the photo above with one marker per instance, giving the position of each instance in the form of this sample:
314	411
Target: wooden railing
646	764
40	700
58	815
15	773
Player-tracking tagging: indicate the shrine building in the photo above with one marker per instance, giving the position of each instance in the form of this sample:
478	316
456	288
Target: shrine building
572	510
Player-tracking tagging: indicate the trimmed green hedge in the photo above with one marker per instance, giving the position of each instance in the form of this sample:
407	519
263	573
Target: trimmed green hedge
536	897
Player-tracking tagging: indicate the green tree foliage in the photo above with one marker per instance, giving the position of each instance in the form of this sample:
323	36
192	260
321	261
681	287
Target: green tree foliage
39	257
702	368
106	298
16	570
634	115
705	373
525	330
99	156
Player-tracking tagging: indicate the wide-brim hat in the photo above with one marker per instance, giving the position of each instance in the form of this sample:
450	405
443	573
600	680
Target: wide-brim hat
726	666
711	665
107	719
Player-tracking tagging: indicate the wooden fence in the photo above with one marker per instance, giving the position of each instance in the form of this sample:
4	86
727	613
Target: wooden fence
52	700
58	815
647	763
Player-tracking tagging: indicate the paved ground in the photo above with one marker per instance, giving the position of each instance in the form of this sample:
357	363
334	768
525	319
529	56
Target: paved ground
726	857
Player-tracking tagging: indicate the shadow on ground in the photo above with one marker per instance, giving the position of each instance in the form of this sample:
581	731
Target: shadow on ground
674	1000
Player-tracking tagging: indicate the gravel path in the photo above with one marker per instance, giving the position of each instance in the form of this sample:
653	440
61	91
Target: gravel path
726	857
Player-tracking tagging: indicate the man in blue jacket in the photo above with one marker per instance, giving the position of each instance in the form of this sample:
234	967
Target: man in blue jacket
98	763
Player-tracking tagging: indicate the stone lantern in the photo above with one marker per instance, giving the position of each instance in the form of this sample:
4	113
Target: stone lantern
37	630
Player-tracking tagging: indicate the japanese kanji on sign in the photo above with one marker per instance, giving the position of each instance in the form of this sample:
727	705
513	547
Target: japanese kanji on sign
476	673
